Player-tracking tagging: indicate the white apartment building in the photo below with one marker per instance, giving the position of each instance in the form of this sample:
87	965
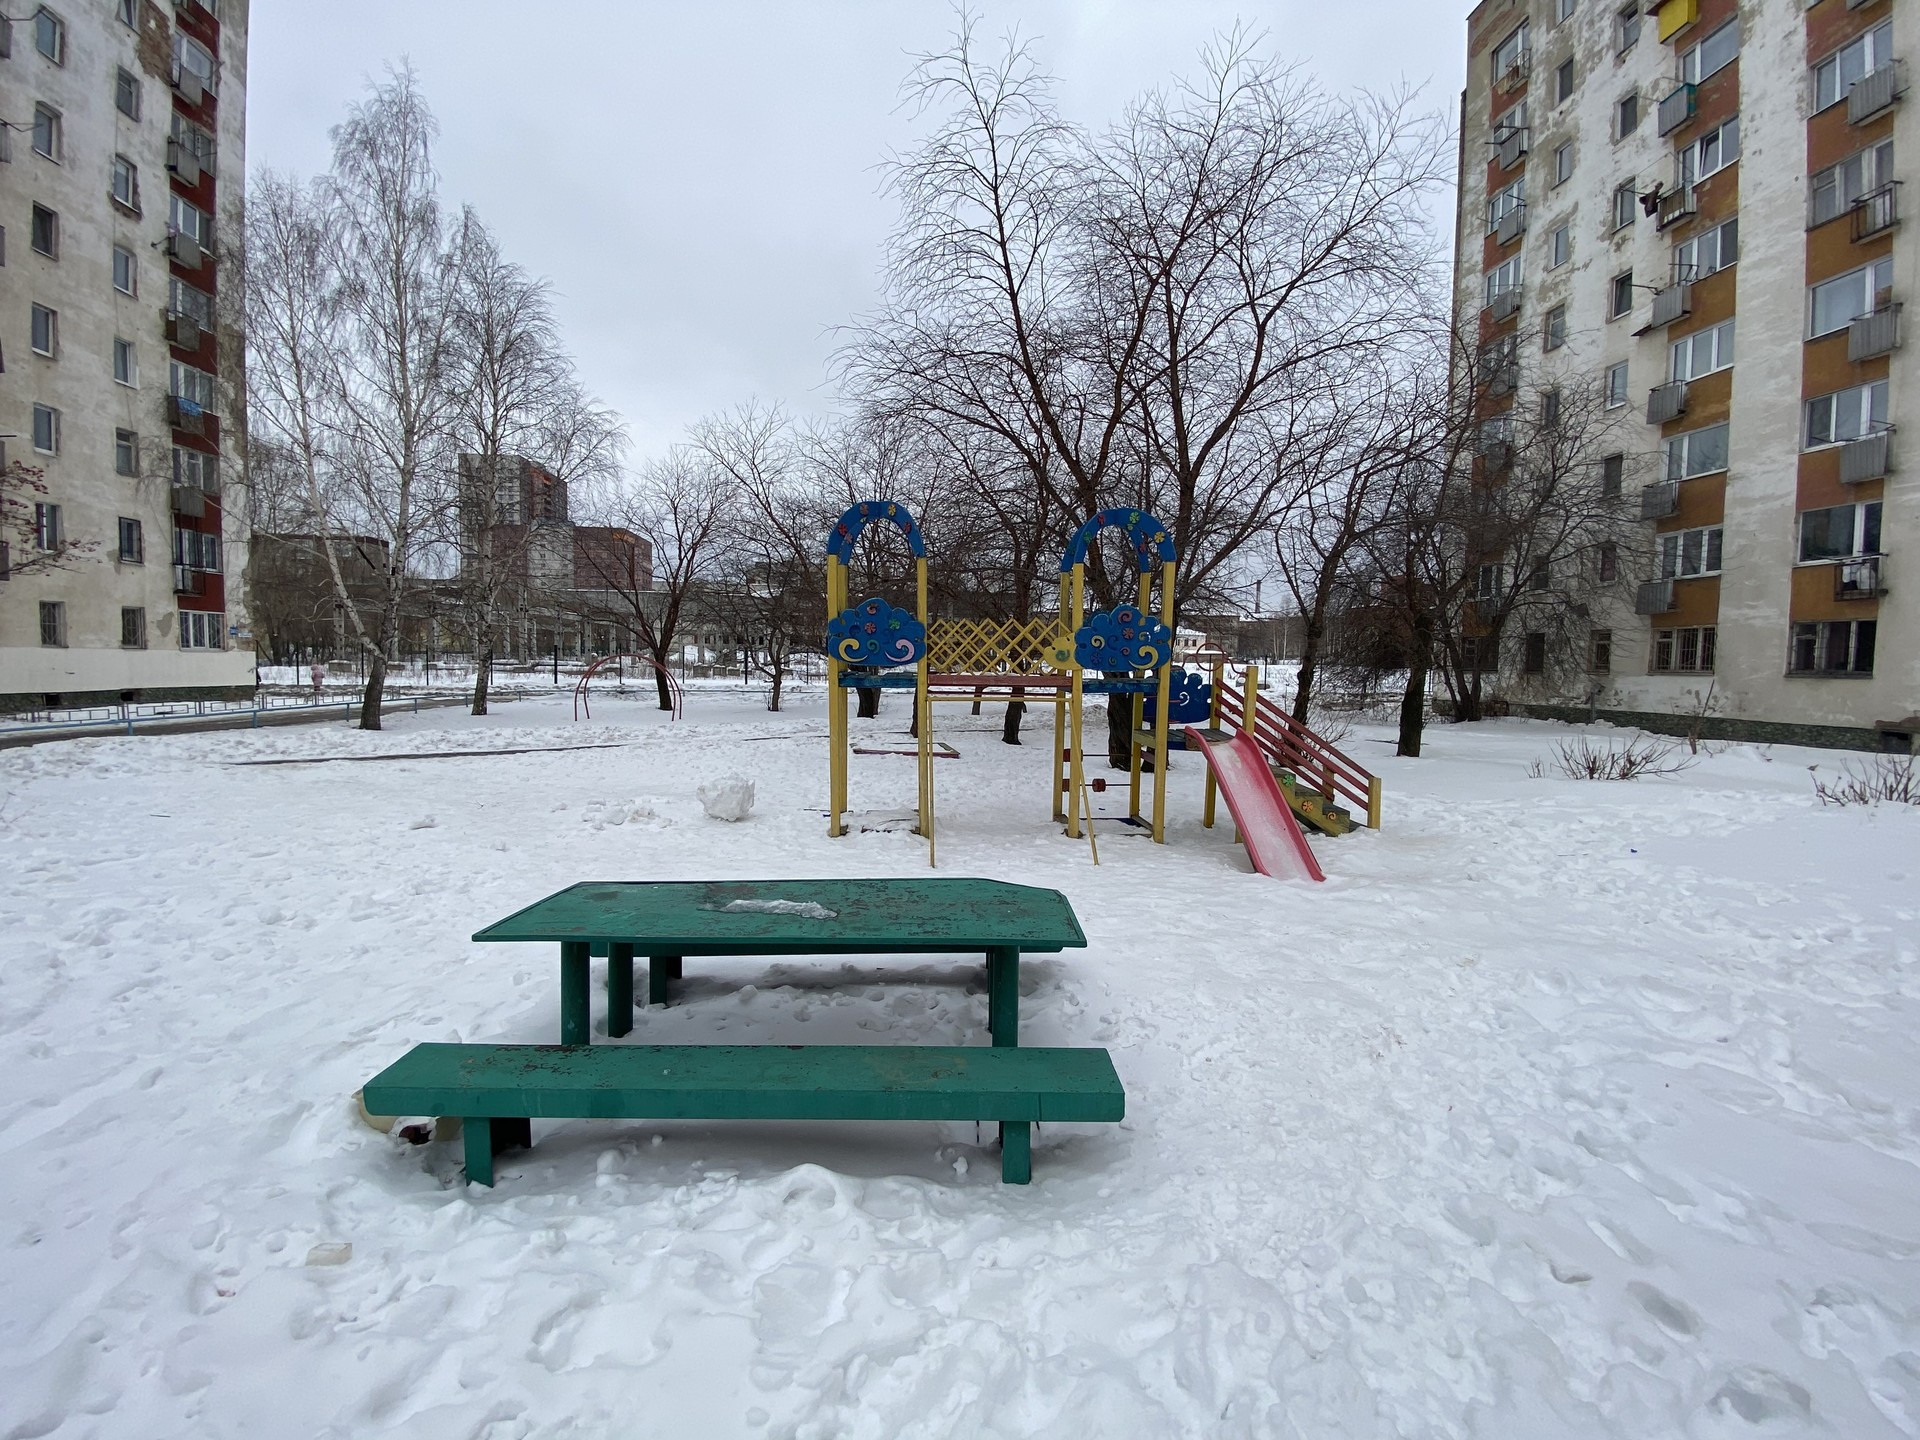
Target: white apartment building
1697	207
121	172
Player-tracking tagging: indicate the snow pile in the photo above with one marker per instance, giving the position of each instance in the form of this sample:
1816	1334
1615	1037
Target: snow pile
807	909
728	798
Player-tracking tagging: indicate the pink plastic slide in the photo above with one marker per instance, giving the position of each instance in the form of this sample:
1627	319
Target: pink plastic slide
1274	841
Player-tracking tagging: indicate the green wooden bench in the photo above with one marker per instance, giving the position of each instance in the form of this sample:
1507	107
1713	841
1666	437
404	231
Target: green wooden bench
497	1089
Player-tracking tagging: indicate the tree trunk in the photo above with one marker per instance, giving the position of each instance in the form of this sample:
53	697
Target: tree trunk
371	697
1010	728
867	706
660	684
1120	731
1413	701
482	677
779	679
1310	637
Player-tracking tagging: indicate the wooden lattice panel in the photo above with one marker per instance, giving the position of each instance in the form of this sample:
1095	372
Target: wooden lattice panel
998	647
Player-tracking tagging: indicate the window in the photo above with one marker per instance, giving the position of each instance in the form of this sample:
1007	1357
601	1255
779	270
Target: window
125	277
46	429
45	232
203	630
126	183
1540	577
1536	652
1839	532
1834	76
1510	123
1563	82
1600	652
1711	153
50	35
1625	203
126	452
1606	561
1698	452
1562	10
1620	295
129	12
1560	246
1563	162
1832	647
194	139
1626	116
1835	189
53	622
1550	407
1707	253
46	132
1505	201
126	93
1488	582
1838	302
1616	389
133	628
48	532
132	542
1686	554
1511	53
126	367
1613	470
1847	414
196	550
186	383
188	219
1556	328
191	57
1689	650
46	330
1703	352
196	470
1502	278
1626	28
1712	54
185	299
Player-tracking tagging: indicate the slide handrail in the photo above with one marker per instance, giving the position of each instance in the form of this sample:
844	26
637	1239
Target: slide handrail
1297	748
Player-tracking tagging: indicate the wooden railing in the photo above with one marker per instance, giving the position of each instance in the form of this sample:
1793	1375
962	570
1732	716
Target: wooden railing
1315	763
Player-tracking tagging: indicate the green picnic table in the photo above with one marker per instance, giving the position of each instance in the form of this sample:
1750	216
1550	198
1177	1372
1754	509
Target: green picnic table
667	921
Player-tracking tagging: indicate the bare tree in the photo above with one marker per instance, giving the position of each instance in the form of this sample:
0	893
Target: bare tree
31	547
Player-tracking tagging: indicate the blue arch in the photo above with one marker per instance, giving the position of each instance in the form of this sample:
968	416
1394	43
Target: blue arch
1148	536
840	539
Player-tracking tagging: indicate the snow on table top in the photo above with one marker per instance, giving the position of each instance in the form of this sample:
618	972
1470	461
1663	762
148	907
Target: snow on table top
1562	1109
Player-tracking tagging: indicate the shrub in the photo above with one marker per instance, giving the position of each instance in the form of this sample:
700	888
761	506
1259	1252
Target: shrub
1583	759
1890	778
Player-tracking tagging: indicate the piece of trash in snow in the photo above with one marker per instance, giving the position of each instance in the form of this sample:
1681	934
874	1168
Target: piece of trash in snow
416	1134
425	822
332	1254
728	798
959	1165
805	909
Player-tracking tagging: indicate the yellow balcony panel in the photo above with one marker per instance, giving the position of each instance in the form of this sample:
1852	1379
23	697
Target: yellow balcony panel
1676	15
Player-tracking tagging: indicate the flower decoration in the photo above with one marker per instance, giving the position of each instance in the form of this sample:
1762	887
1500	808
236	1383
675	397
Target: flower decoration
1123	638
1190	701
876	633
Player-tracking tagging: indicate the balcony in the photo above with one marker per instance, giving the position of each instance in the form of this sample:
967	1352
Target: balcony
1666	402
1510	144
189	84
1868	458
1874	335
1515	73
189	501
189	581
1675	206
183	331
1876	93
185	251
1654	597
1676	109
1658	501
183	163
1859	578
1671	304
1504	305
186	416
1496	456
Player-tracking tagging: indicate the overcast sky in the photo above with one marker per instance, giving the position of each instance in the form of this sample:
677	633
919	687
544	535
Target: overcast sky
698	180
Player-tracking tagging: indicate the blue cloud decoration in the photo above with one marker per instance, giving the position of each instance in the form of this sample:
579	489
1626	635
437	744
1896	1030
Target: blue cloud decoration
1189	698
876	633
1123	638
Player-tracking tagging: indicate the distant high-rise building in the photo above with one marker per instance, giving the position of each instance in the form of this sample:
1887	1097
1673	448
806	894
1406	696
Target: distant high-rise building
121	173
1694	208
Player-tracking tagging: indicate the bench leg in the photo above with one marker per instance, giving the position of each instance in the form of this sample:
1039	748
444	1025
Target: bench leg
575	1018
477	1132
1003	996
660	969
1016	1152
619	989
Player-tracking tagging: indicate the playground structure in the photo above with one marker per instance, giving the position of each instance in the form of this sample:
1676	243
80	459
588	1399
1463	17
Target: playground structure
1123	653
675	692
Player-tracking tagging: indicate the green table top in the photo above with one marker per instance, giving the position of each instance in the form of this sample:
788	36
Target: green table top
800	917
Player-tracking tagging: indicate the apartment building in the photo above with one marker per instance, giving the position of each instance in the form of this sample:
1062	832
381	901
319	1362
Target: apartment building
121	168
1695	209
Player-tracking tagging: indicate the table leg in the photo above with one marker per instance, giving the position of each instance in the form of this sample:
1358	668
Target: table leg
1016	1152
476	1131
619	989
1003	996
660	969
574	1014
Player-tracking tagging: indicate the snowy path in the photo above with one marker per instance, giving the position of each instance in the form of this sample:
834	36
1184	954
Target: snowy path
1562	1109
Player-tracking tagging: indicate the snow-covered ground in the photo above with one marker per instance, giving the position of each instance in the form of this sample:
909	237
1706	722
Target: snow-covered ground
1563	1109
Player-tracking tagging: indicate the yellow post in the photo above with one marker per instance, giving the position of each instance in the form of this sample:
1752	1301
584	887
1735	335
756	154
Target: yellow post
1162	703
1213	723
836	708
1373	802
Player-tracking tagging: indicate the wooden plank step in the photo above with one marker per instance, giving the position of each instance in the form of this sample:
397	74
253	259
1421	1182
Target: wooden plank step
495	1088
